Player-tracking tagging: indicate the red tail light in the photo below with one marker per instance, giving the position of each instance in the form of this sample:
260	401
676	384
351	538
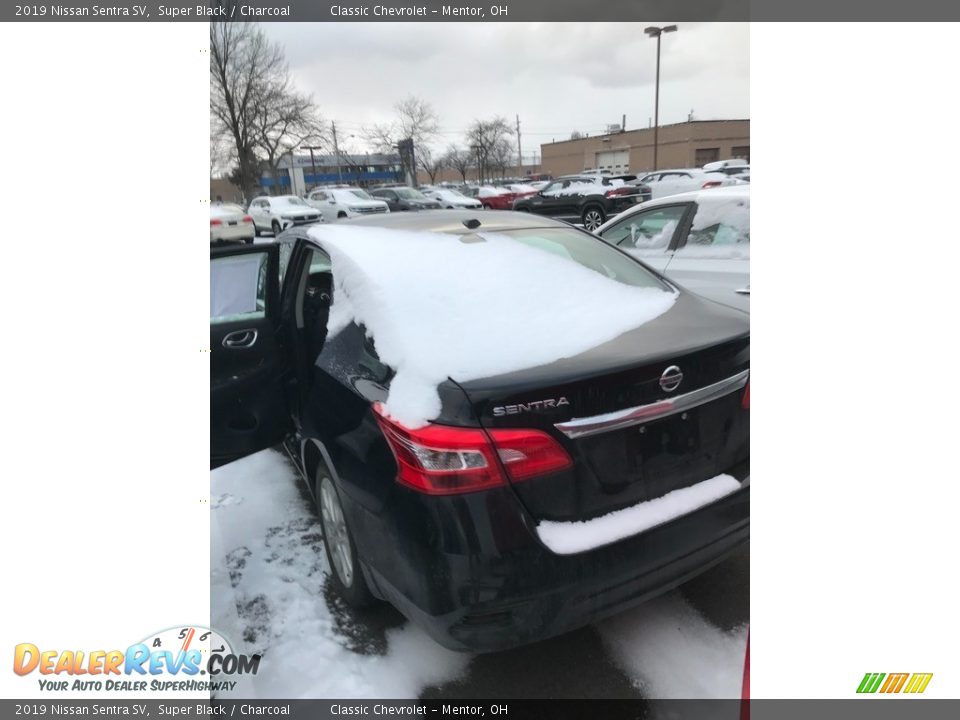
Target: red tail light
621	191
711	184
216	222
247	219
444	460
746	397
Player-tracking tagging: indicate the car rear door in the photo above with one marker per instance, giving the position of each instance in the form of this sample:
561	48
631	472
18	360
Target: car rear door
248	411
712	258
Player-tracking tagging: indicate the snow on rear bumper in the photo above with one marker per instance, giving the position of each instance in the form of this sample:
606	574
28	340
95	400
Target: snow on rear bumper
567	538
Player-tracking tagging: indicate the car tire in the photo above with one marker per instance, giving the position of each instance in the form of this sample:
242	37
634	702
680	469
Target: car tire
522	209
256	230
487	206
346	576
592	217
341	215
275	226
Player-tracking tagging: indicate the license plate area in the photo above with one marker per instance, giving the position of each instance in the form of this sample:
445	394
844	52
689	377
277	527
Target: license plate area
650	460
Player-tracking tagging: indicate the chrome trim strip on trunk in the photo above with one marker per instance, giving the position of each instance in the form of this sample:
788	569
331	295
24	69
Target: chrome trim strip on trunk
584	427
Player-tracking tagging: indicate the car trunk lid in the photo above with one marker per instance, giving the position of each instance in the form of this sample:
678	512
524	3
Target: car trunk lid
655	410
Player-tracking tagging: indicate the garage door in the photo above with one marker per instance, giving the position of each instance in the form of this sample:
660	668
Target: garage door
613	160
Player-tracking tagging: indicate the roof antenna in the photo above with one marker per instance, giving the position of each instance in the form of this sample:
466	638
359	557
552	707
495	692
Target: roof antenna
471	224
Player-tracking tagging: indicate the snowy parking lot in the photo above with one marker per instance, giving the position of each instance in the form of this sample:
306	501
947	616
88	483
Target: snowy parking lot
269	595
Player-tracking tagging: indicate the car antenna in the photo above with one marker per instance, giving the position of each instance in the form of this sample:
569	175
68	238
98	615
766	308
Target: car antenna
471	224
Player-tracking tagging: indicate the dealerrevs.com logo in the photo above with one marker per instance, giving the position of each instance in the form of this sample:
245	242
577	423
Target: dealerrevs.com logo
910	683
182	659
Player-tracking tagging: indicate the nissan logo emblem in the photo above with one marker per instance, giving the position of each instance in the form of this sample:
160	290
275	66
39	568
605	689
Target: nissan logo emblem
671	378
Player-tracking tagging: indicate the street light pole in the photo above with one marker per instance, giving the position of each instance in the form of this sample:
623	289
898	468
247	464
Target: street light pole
336	151
313	162
656	32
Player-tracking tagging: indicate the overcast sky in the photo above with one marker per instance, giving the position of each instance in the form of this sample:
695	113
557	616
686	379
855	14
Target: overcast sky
558	77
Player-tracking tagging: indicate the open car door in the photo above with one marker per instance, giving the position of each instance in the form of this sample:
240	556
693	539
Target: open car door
247	406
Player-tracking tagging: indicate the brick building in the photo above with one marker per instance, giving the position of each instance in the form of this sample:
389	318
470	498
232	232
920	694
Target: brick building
689	144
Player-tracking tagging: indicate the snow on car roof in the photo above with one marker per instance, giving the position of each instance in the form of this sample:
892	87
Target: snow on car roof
490	191
470	306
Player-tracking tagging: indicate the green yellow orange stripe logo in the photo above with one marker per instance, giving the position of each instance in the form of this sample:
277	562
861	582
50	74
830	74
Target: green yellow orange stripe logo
894	682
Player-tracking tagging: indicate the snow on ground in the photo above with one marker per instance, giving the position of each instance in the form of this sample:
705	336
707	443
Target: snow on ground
565	538
267	596
671	651
417	295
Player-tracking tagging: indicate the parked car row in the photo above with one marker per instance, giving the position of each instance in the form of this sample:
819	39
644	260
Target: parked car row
590	198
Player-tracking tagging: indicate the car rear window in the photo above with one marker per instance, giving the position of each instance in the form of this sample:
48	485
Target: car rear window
590	252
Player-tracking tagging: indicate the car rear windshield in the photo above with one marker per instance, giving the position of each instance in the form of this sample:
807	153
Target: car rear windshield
590	252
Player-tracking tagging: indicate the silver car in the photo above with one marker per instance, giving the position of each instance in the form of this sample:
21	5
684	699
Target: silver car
700	239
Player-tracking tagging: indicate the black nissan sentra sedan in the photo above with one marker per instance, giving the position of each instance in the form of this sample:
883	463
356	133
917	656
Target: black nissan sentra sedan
532	502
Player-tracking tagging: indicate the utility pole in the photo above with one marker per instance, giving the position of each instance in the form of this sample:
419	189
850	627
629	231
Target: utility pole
519	151
313	162
336	151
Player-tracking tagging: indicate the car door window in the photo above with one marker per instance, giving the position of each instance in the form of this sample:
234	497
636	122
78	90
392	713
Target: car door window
553	189
719	230
647	232
238	287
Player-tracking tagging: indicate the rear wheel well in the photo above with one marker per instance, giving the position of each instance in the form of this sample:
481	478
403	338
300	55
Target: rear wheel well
341	214
311	461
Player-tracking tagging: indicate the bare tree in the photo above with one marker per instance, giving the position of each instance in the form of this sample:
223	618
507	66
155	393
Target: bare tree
220	155
491	141
284	120
414	118
460	160
244	65
430	162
